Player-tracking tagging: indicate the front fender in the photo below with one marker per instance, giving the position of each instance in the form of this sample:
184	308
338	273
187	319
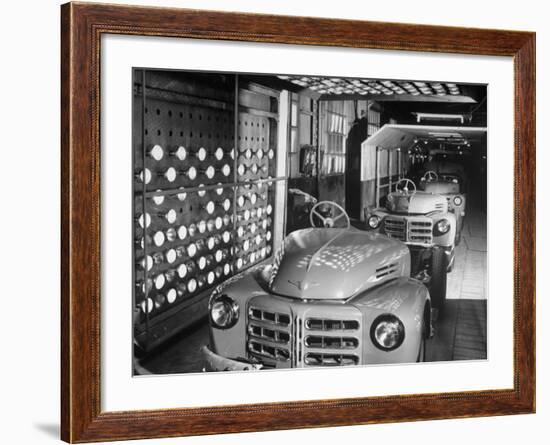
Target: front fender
448	239
409	300
241	288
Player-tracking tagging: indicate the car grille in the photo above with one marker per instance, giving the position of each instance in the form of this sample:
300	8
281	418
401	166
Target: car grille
396	228
269	334
331	342
320	359
282	338
417	230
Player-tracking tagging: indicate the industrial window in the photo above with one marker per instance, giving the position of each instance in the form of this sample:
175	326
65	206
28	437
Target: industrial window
334	127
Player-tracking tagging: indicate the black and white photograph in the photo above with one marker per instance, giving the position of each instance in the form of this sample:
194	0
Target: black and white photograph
301	221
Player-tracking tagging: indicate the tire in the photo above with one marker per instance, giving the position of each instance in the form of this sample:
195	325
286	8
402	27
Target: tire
438	281
422	349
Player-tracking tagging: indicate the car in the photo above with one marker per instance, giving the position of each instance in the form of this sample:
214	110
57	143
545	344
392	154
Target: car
422	221
333	295
448	185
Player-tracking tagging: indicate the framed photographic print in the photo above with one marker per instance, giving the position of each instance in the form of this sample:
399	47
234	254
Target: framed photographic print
278	222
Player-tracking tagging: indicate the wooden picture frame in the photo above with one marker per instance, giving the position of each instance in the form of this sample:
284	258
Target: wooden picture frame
82	26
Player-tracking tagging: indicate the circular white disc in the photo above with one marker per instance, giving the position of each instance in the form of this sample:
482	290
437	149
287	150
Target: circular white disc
182	232
191	250
201	154
211	243
241	169
226	204
171	234
149	262
147	219
171	295
170	174
211	277
171	256
157	152
149	305
218	255
192	173
171	216
181	153
159	281
210	207
210	172
219	153
226	269
202	227
219	223
182	270
147	176
159	199
192	285
226	170
158	238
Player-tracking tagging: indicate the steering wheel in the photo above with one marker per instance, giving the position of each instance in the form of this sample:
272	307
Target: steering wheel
430	176
328	221
405	188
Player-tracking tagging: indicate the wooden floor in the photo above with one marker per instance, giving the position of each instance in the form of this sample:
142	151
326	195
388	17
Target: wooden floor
460	335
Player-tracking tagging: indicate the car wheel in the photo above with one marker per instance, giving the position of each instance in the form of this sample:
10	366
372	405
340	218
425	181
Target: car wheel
438	281
422	348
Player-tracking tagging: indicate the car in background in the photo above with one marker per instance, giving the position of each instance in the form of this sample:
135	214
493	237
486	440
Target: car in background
422	221
334	295
450	186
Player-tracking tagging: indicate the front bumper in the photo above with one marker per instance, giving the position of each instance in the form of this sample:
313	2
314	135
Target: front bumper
215	362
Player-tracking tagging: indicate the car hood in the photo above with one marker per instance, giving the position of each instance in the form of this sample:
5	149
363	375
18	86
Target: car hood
419	202
442	187
336	264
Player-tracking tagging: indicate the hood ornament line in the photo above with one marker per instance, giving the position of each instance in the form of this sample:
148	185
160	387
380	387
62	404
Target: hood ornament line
303	284
318	252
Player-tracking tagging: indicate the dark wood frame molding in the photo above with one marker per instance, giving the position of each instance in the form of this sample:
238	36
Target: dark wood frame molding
81	28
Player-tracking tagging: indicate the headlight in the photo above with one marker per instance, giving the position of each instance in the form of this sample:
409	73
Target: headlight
374	221
387	332
442	227
224	311
457	200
